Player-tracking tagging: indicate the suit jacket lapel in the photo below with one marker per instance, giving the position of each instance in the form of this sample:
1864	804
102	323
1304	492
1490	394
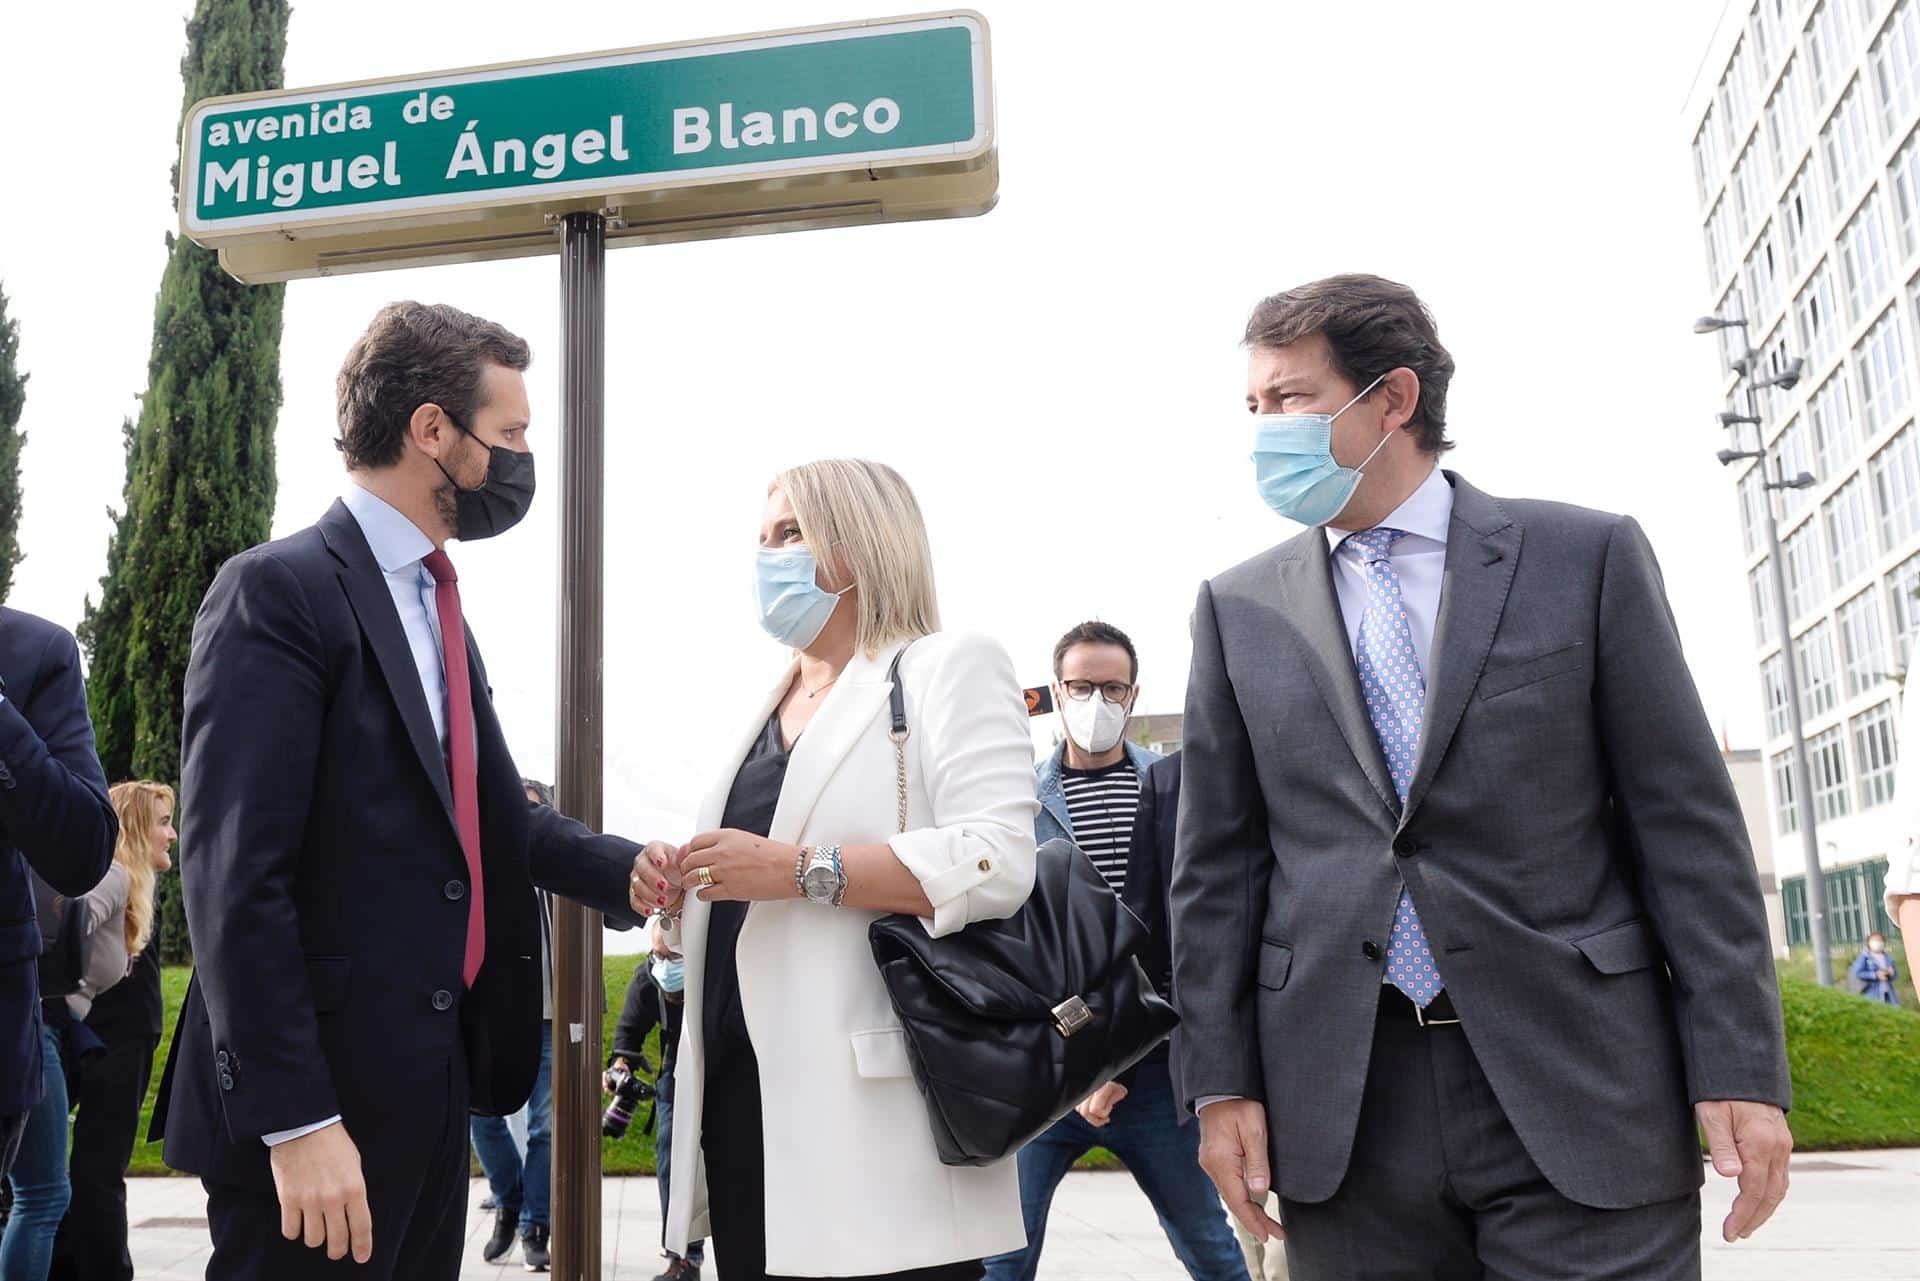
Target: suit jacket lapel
1309	602
856	699
1483	550
366	589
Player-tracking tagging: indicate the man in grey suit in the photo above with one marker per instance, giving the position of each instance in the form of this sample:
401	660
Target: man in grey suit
1467	932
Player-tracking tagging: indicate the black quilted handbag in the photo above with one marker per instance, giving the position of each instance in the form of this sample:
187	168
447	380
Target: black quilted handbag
1011	1023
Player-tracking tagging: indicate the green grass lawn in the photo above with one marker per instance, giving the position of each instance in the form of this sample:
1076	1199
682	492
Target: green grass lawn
1856	1072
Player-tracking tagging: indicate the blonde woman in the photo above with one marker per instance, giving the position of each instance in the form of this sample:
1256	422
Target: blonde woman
795	1107
126	1017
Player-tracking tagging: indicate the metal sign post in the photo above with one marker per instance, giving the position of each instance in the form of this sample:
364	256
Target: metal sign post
578	989
888	120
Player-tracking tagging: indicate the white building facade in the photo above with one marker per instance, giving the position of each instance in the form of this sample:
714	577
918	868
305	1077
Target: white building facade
1805	129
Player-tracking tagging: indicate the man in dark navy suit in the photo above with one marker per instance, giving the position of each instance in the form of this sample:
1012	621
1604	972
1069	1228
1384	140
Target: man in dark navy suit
54	817
357	855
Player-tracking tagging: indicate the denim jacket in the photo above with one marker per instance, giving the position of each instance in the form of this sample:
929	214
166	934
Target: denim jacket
1054	821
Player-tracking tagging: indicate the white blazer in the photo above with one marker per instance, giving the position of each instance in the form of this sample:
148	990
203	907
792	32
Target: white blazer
854	1184
1903	858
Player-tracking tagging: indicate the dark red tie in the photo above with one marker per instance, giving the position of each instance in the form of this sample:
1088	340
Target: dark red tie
463	762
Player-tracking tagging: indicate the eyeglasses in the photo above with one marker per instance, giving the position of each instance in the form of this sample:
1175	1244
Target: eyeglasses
1115	692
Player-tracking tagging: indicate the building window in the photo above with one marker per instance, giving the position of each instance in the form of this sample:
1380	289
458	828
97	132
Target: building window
1819	674
1763	277
1896	489
1904	177
1856	904
1827	755
1813	309
1829	40
1786	124
1753	511
1795	454
1874	755
1863	643
1802	218
1863	259
1849	532
1903	606
1844	145
1760	594
1719	243
1896	66
1830	419
1773	694
1880	363
1786	815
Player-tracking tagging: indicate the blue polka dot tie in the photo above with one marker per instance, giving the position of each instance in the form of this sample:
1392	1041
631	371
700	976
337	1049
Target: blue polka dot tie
1396	692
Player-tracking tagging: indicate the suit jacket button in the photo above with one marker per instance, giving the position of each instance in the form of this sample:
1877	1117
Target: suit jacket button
1370	950
1405	846
221	1060
443	1000
456	890
226	1080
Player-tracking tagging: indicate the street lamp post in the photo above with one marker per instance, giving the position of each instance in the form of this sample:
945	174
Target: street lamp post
1774	477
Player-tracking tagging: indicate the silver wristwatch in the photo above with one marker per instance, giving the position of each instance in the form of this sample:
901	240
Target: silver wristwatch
824	881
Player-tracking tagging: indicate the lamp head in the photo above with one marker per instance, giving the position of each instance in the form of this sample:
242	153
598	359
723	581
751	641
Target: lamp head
1713	324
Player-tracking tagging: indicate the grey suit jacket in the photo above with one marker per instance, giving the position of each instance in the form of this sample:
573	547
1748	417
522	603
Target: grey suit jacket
1570	838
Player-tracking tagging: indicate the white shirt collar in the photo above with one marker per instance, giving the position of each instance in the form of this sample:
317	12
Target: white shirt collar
396	541
1427	513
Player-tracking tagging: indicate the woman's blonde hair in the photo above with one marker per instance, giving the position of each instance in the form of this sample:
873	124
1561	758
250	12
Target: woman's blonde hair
864	514
139	804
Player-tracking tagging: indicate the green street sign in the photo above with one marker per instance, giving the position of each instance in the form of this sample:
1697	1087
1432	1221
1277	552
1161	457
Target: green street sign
823	126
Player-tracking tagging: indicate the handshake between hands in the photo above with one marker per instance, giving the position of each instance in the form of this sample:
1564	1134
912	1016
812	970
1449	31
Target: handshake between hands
715	866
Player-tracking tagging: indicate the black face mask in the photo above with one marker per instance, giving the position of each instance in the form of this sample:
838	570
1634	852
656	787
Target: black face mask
502	498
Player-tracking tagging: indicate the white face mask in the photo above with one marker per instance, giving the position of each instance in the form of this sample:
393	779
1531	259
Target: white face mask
1094	724
1876	946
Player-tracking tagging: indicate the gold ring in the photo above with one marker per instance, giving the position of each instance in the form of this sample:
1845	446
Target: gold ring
704	875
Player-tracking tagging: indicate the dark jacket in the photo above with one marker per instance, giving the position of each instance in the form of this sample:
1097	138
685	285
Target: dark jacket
1149	874
54	816
323	875
1568	830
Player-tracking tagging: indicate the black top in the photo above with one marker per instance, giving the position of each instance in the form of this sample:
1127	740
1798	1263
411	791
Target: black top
131	1008
750	806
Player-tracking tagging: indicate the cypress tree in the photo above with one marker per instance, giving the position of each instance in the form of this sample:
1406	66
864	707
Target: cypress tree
13	399
200	458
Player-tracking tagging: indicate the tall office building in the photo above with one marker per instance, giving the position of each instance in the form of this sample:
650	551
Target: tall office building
1805	146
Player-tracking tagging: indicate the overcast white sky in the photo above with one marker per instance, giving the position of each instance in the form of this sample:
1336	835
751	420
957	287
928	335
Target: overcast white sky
1060	380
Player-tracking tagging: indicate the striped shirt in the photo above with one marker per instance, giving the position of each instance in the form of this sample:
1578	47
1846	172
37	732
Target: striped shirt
1102	803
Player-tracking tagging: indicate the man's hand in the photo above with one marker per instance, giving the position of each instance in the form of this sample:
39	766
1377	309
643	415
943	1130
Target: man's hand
323	1197
1749	1142
1097	1108
1233	1152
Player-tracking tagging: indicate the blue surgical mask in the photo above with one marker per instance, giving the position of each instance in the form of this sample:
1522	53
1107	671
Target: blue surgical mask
670	975
794	608
1294	466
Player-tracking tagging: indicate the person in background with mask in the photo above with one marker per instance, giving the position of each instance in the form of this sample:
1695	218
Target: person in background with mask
656	996
358	857
519	1182
1090	792
1444	855
1874	971
793	1082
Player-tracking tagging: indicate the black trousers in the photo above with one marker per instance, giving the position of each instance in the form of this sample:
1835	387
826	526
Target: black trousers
92	1244
734	1146
1441	1189
415	1166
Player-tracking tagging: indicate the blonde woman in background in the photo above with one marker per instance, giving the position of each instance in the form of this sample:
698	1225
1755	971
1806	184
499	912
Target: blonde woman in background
125	1016
798	1131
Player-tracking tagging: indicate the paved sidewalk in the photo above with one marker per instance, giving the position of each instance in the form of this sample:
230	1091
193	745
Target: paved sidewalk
1850	1216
